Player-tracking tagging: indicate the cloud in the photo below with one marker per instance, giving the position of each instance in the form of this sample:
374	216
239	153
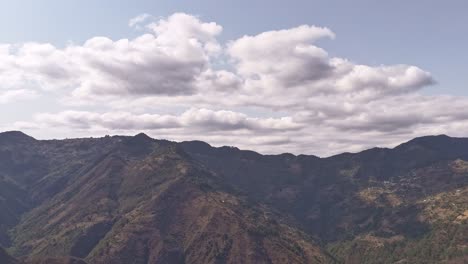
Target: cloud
277	91
201	120
276	62
138	20
16	95
165	61
175	57
285	56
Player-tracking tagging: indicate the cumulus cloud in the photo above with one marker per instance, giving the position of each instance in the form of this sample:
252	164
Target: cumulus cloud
175	57
277	91
165	61
276	62
286	56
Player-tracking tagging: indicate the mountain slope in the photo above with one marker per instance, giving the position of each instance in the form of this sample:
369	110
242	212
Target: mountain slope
356	201
146	201
5	258
139	200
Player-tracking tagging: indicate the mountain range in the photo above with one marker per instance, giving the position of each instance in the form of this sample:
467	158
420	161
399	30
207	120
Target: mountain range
135	199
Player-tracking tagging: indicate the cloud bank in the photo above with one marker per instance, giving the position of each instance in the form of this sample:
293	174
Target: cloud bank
274	92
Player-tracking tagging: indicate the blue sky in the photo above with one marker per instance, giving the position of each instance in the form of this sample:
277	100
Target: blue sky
358	74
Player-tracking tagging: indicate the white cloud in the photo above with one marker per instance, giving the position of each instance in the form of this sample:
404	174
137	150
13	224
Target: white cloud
193	119
16	95
287	61
277	91
166	61
286	56
136	21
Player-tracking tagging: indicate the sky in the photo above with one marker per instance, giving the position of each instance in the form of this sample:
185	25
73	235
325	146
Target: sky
312	77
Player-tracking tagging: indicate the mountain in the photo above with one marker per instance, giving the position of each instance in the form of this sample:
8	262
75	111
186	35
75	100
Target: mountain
5	258
377	206
138	200
135	199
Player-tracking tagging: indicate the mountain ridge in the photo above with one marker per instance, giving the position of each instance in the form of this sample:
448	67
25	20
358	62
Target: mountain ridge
122	198
143	136
100	201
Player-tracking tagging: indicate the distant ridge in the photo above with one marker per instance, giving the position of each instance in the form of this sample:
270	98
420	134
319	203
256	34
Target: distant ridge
437	141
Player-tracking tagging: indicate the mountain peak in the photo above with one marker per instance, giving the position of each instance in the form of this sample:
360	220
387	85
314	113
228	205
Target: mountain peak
139	144
197	146
437	142
15	136
140	139
142	136
431	138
